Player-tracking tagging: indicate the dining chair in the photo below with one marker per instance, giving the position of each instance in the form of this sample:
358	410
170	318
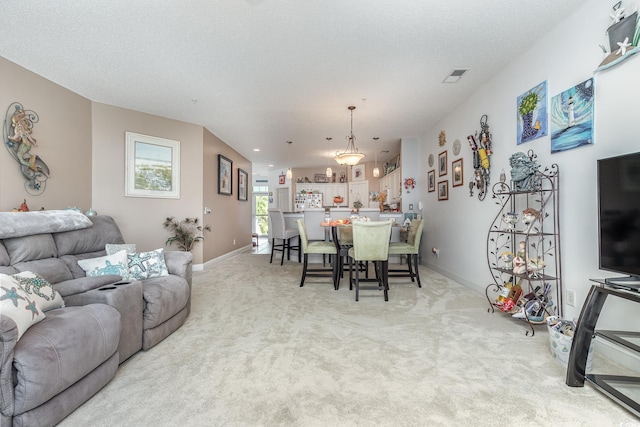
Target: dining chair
372	213
339	213
279	231
316	247
313	219
370	243
410	248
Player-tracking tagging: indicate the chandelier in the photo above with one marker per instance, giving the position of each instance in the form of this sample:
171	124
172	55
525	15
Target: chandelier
350	155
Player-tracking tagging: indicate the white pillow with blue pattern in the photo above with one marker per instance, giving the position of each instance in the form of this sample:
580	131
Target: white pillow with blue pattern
144	265
110	264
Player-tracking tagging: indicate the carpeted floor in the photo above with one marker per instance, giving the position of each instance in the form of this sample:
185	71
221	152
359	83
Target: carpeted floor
258	350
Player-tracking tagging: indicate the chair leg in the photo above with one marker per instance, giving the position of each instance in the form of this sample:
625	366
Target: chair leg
285	248
385	279
409	265
357	283
335	269
304	270
417	270
273	245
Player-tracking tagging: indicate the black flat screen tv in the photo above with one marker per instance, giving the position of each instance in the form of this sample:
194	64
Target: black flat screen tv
619	217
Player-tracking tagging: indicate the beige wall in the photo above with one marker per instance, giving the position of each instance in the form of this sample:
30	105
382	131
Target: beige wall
140	218
230	218
63	136
83	143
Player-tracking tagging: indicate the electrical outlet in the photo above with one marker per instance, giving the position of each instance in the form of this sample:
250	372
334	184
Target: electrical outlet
571	297
234	242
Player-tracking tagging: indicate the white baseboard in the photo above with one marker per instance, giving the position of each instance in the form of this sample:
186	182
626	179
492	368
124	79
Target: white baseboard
244	249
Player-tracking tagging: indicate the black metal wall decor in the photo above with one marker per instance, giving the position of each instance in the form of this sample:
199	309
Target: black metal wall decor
17	132
480	144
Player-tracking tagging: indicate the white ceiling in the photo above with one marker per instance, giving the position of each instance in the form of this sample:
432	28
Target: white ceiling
258	73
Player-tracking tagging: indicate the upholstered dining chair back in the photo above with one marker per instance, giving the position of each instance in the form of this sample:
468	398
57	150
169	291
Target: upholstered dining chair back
313	219
276	224
372	213
339	213
371	240
304	240
415	233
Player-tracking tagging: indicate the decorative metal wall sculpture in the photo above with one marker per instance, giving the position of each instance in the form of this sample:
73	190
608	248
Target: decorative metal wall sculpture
481	146
17	129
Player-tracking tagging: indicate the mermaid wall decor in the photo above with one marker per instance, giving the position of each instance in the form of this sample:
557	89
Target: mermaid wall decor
19	140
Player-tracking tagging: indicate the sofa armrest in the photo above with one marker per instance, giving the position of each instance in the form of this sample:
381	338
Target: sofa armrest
179	263
8	340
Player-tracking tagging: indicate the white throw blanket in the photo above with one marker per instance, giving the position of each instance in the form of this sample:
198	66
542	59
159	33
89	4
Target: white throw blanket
18	224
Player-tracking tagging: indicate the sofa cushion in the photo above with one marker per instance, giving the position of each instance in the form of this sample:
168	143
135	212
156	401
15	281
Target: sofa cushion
8	270
18	305
71	261
164	297
144	265
28	248
53	270
63	348
92	239
39	290
109	264
4	256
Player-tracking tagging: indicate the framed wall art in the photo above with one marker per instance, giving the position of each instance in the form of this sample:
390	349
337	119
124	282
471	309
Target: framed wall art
357	172
431	180
281	179
243	178
443	190
458	173
572	117
152	166
532	114
442	163
225	177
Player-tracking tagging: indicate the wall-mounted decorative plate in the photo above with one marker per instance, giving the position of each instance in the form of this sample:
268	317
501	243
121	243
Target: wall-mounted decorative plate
431	160
456	147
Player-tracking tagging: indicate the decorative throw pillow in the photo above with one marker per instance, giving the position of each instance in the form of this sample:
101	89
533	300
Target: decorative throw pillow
16	304
143	265
39	290
112	248
110	264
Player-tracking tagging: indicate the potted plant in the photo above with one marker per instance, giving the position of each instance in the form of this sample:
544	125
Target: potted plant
185	233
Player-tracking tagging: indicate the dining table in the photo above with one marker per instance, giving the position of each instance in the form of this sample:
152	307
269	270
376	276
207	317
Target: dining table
342	248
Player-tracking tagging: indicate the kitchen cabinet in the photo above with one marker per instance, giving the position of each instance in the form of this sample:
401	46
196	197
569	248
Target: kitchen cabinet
392	184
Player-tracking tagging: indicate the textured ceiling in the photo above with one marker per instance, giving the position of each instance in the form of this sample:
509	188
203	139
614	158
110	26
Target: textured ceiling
257	73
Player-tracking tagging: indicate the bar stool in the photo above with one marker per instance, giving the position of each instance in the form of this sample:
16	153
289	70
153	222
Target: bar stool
279	231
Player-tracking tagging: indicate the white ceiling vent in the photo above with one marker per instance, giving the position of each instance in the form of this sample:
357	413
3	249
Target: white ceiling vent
455	75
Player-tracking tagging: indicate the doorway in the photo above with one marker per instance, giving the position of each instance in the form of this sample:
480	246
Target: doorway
359	191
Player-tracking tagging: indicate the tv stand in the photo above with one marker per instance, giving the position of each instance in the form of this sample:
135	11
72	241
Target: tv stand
614	386
631	283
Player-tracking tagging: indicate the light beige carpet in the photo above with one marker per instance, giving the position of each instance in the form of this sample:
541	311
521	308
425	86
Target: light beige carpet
258	350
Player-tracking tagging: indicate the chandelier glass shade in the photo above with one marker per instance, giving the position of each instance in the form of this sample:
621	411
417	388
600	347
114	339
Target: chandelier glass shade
329	172
376	170
350	156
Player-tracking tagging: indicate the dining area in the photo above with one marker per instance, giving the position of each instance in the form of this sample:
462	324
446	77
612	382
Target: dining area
356	246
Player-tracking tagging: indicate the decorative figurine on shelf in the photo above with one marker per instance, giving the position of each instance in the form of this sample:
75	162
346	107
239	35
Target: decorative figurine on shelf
17	130
523	171
521	249
529	217
534	267
507	258
519	266
510	219
480	144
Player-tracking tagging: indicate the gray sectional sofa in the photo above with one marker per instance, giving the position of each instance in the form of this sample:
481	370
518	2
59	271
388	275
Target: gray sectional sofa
64	359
